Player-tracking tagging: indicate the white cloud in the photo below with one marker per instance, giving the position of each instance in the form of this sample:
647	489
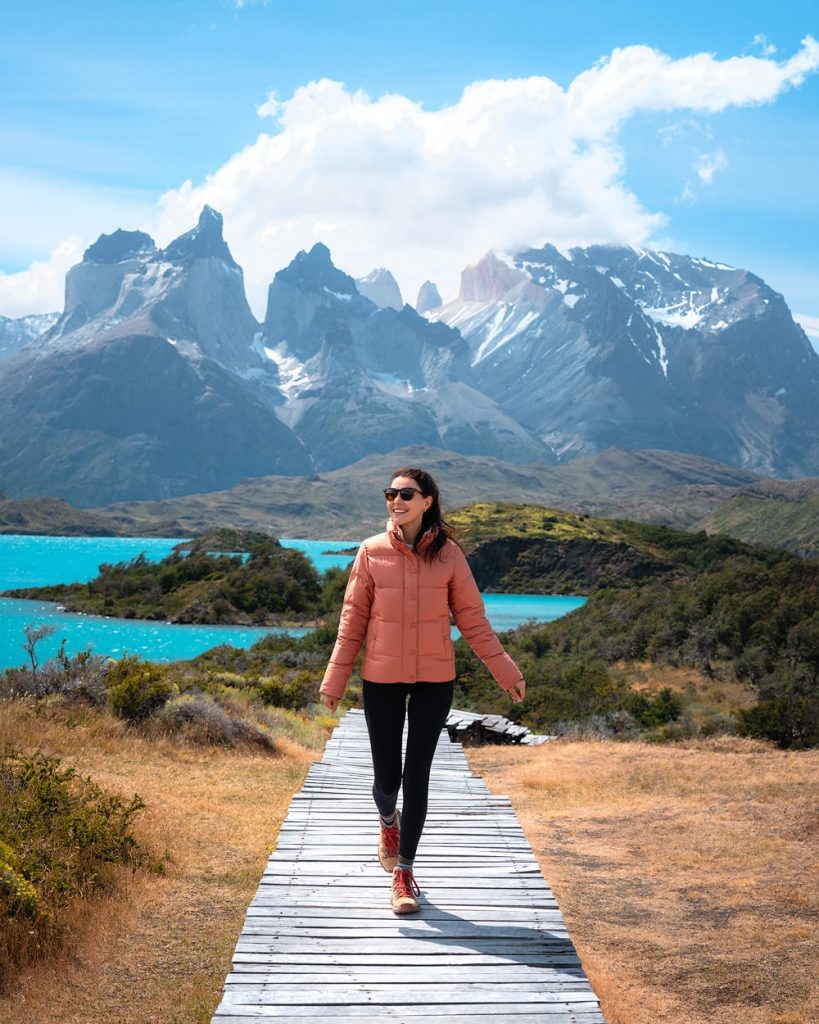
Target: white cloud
40	287
708	164
810	325
34	211
385	182
768	49
641	78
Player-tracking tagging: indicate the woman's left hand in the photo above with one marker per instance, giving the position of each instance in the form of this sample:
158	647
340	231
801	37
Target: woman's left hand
518	691
329	701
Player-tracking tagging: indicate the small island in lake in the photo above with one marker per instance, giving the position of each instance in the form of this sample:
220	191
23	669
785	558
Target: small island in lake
222	577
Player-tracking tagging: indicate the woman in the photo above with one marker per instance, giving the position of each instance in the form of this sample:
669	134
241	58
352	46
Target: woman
403	585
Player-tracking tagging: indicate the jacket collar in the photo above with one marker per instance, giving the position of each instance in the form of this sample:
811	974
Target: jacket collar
421	544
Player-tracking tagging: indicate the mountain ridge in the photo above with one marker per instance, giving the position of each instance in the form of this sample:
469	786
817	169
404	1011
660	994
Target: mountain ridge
156	380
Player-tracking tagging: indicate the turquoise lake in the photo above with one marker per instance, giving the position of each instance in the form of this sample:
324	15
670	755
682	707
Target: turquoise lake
35	561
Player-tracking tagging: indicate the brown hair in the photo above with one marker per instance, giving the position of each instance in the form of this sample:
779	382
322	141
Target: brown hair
433	516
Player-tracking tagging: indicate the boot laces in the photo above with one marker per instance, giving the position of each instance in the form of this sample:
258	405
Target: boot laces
404	884
391	837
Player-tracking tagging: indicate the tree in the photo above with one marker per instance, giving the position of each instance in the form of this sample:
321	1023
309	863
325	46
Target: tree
34	634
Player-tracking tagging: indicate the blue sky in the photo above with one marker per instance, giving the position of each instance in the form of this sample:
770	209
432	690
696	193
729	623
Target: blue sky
108	108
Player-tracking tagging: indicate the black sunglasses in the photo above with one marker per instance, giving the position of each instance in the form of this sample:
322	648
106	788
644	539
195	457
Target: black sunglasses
391	493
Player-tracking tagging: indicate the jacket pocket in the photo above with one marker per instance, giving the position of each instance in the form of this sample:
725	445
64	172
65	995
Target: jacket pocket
371	635
446	635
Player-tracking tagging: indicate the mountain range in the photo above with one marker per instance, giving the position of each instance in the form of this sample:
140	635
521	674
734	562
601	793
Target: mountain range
157	381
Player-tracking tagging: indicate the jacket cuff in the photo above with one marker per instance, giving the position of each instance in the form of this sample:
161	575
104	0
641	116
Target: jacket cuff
332	691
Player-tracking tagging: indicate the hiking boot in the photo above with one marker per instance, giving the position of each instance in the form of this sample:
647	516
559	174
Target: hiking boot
404	892
388	843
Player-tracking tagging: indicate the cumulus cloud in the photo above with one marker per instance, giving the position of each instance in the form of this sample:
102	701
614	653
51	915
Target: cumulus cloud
39	288
385	182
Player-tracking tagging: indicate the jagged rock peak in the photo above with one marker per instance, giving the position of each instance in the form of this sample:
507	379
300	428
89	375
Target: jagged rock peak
428	298
202	241
489	279
380	287
315	269
121	245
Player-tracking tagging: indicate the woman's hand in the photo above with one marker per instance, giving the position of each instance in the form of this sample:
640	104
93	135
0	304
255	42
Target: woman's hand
518	691
329	702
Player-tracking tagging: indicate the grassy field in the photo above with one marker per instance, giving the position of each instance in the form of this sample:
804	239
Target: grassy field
684	872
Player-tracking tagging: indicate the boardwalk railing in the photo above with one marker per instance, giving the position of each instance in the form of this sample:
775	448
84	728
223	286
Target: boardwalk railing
320	940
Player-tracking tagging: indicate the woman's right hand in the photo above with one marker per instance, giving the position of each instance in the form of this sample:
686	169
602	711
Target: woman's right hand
329	702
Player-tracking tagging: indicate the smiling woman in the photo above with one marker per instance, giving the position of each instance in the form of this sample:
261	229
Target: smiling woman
403	586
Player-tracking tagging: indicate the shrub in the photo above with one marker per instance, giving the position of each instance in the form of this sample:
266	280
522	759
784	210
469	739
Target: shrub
295	690
791	722
62	838
665	707
198	718
15	889
137	688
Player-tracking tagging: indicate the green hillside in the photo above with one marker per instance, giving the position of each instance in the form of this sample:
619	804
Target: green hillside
733	612
780	512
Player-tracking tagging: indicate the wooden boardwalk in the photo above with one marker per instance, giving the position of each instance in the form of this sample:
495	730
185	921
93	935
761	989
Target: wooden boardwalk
321	942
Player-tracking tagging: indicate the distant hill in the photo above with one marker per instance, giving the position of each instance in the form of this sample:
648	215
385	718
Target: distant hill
53	516
780	512
347	503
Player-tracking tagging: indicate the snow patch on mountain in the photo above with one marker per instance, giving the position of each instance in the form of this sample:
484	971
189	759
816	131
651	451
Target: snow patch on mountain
293	375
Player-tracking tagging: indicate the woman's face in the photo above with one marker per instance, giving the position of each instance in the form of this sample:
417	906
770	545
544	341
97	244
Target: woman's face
408	514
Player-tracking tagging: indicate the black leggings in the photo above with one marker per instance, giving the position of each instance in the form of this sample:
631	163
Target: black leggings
385	705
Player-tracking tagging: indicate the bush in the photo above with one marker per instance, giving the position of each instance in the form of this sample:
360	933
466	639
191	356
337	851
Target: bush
295	690
198	718
137	688
61	838
665	707
81	679
791	722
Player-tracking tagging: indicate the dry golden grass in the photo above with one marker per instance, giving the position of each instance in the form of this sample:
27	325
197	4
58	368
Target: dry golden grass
687	873
160	949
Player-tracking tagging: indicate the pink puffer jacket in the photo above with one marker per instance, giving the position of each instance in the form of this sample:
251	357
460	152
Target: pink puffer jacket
400	603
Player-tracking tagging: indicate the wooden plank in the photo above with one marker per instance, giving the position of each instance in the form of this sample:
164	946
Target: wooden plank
386	930
389	994
429	1014
432	975
363	915
328	960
